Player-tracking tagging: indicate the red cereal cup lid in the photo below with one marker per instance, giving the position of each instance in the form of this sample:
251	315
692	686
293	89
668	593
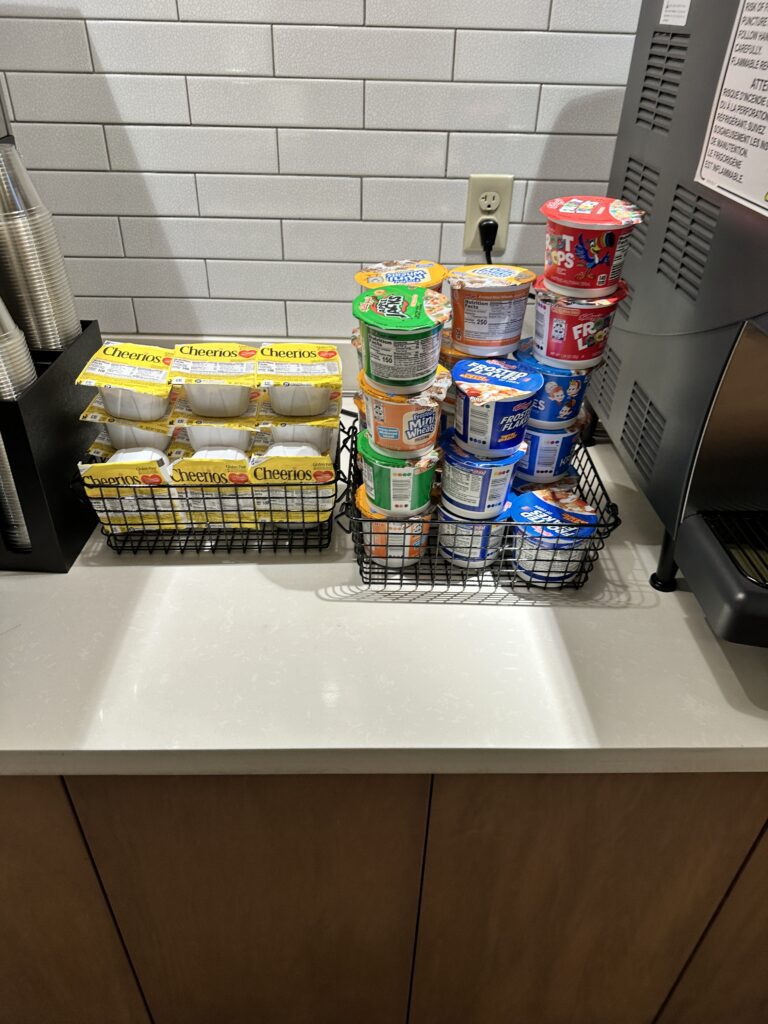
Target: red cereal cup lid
546	293
592	212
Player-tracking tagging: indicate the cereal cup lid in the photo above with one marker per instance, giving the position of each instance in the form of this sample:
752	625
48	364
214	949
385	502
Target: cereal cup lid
592	212
554	514
415	273
456	456
495	379
433	394
529	360
370	454
545	294
402	309
486	276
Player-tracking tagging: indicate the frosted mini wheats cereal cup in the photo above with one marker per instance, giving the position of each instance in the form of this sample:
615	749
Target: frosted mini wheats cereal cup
400	329
396	487
573	331
493	402
489	307
587	239
404	425
414	273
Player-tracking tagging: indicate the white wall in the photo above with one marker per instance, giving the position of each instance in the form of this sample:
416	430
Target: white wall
224	166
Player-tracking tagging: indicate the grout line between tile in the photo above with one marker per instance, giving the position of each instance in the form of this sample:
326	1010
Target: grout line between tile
88	41
453	55
207	279
538	108
189	104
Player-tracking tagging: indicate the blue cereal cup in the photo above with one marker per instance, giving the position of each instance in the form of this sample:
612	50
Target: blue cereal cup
493	402
476	488
470	545
548	456
559	402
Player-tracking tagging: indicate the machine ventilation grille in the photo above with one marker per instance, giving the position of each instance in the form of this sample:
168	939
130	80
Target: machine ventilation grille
687	241
661	83
640	184
602	386
642	431
625	306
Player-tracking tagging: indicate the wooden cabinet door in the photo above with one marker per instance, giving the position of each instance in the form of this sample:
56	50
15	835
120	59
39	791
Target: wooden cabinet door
61	959
572	899
283	899
726	981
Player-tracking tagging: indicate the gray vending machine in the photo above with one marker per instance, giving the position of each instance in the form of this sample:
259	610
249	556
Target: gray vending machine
683	392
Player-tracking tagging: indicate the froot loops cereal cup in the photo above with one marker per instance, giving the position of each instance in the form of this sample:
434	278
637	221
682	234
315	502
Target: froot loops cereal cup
401	329
549	454
489	307
396	487
573	332
587	239
493	402
414	273
476	488
404	425
392	543
559	402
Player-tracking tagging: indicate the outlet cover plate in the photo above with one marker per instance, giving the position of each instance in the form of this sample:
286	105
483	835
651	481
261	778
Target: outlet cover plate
479	184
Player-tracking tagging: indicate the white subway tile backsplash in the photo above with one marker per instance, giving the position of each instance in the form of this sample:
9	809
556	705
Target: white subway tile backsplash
361	152
532	156
451	106
312	12
580	108
115	316
201	237
185	148
89	236
350	240
141	10
184	48
53	45
238	195
239	317
93	192
59	146
326	52
234	279
525	245
108	99
543	57
137	277
525	14
320	320
439	199
540	191
595	15
288	102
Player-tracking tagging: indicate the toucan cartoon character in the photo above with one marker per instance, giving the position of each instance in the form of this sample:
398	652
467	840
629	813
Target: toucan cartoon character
588	252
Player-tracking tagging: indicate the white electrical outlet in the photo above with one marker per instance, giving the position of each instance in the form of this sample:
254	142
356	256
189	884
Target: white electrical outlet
488	195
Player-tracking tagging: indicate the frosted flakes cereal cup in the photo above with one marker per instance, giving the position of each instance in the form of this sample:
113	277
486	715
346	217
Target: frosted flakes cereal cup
488	307
549	454
559	402
493	402
587	239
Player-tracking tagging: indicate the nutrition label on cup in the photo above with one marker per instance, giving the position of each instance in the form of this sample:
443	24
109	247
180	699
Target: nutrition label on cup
405	360
494	319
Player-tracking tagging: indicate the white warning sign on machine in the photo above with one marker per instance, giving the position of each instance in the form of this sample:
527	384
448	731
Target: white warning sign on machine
734	160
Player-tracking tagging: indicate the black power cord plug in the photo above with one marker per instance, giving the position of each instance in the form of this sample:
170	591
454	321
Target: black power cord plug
488	230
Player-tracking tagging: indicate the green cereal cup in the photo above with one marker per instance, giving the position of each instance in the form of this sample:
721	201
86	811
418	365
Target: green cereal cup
396	487
400	331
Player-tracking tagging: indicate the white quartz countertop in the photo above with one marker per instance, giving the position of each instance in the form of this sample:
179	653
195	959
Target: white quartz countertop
198	664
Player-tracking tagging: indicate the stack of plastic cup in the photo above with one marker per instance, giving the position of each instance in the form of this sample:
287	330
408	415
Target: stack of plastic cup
33	280
17	373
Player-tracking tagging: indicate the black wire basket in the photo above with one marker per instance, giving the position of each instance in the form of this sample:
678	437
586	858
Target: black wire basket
426	553
270	517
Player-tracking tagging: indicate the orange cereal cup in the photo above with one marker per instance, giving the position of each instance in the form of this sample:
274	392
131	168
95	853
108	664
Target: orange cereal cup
488	307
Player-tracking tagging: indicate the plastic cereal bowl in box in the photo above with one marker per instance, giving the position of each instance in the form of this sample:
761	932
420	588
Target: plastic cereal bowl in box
401	330
559	402
323	438
218	400
300	378
208	435
573	331
218	377
413	273
392	543
471	545
475	488
404	425
124	404
133	380
489	305
395	486
493	402
552	535
128	435
587	239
